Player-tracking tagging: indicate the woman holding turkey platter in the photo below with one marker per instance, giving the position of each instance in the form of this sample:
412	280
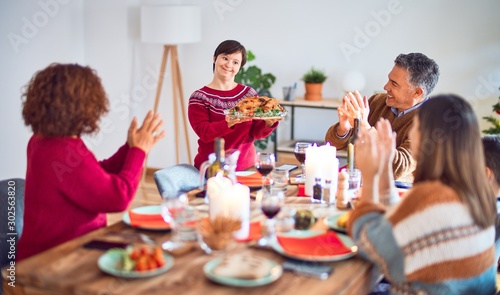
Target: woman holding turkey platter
208	108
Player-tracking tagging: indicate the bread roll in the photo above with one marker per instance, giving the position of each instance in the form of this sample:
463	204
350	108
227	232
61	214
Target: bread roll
242	266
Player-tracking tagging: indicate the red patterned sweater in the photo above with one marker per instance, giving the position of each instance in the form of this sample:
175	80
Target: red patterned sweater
68	191
206	115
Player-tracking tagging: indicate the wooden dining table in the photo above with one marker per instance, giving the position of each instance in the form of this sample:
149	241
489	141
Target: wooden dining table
71	268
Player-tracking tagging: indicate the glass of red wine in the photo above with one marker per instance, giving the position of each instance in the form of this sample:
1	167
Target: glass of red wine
300	155
264	163
271	204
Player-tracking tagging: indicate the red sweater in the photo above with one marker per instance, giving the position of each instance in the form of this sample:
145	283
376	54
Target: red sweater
206	115
68	191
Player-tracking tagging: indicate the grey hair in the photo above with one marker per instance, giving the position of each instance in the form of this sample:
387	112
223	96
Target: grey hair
424	72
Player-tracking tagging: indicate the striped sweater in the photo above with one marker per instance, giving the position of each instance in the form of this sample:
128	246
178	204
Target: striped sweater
206	115
427	244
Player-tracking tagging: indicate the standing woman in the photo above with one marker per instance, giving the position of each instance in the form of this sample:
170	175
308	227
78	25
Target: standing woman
68	192
439	238
207	105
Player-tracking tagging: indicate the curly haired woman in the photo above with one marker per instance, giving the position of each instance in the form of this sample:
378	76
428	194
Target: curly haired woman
68	191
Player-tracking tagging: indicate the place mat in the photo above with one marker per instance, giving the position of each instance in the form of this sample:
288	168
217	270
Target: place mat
255	232
327	244
254	179
147	220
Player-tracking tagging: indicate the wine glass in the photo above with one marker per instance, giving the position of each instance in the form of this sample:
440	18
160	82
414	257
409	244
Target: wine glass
172	207
271	204
264	163
300	154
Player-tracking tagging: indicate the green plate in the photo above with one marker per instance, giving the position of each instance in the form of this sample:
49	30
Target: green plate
274	274
109	260
331	222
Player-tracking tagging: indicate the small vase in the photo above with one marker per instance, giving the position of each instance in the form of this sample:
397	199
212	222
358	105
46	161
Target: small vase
313	91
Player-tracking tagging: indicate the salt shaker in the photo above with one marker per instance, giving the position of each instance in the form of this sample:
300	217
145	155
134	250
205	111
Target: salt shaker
342	190
327	195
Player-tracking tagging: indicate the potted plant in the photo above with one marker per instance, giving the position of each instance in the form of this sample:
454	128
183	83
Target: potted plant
252	76
313	80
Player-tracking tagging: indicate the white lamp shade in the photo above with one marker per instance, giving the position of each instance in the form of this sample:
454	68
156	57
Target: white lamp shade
170	24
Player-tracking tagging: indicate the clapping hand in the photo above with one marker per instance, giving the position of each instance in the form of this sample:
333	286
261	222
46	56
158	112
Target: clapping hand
147	135
375	150
353	106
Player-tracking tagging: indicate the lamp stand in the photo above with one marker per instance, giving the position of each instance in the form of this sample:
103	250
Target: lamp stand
178	98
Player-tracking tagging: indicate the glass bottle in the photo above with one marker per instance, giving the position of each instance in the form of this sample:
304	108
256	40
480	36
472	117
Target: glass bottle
219	165
350	145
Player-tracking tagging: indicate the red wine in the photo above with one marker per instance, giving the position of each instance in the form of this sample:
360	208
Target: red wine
264	170
271	210
301	157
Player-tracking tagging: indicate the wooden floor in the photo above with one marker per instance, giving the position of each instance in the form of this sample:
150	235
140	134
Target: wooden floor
147	194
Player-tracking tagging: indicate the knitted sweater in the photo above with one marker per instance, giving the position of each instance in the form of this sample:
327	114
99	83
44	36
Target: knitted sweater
207	118
427	243
403	164
68	191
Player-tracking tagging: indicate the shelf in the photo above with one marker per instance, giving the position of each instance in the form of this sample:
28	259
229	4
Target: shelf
299	102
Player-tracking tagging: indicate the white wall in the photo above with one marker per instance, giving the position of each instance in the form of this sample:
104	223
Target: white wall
32	37
287	36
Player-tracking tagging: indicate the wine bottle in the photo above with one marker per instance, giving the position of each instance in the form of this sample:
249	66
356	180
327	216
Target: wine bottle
350	145
219	165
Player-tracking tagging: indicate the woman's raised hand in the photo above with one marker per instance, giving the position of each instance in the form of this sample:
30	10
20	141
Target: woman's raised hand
366	153
386	142
147	135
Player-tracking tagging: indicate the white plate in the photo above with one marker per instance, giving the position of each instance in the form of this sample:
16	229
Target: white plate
274	274
109	260
331	222
154	209
345	239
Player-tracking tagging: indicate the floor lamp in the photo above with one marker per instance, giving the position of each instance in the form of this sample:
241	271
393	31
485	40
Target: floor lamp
170	26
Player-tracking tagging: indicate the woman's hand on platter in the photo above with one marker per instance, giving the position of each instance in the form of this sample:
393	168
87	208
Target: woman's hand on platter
148	134
232	120
271	122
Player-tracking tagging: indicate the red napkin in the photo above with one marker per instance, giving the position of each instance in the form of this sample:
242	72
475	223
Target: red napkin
150	221
327	244
255	232
301	190
254	179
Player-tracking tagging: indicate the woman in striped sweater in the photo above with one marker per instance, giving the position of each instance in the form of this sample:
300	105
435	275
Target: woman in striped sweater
439	239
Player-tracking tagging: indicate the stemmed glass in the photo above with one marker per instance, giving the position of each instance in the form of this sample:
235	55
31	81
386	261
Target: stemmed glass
271	205
172	208
300	155
264	163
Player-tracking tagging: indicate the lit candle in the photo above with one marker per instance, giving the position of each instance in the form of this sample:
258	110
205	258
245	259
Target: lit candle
228	200
313	163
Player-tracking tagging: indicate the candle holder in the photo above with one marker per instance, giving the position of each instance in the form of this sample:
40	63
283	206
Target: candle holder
215	235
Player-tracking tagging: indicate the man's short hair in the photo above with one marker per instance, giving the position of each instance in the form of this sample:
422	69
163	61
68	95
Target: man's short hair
424	72
491	146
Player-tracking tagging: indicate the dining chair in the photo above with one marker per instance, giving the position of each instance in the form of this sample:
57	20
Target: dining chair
177	179
11	215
